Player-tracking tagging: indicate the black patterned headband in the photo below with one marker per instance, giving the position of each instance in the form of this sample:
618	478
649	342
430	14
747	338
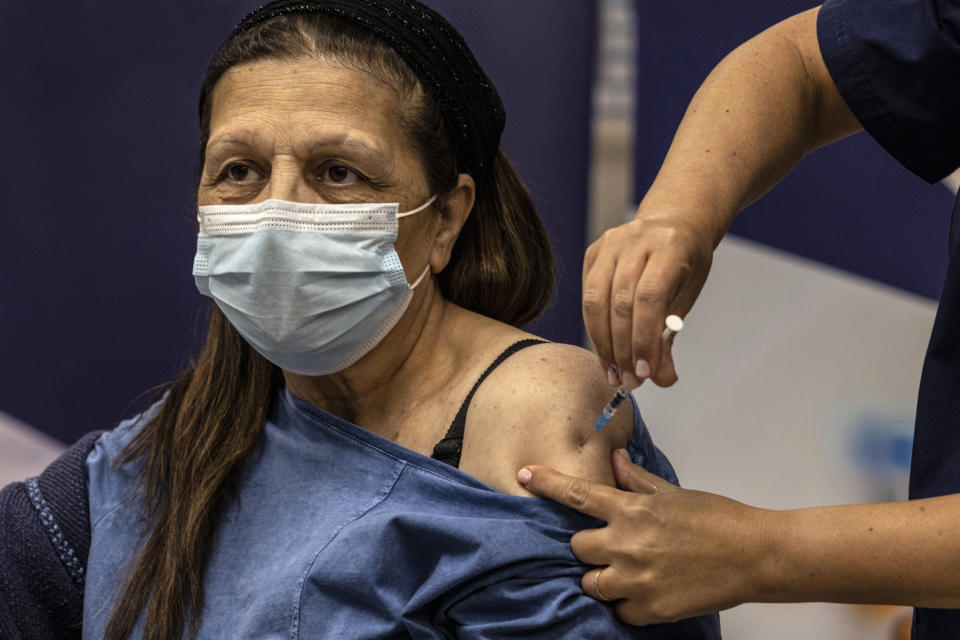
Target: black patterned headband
437	54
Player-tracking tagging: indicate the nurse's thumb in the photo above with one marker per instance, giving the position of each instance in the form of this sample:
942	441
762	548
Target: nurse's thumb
633	478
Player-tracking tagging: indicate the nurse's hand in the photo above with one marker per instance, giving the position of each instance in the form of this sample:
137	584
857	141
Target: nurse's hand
666	553
633	277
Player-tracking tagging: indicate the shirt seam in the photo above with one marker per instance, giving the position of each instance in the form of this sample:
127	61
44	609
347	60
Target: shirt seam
65	550
378	500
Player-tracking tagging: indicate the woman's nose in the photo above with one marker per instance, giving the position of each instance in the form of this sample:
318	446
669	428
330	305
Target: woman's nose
288	182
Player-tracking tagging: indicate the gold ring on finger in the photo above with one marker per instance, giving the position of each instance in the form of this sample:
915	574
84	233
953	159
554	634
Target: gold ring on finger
596	585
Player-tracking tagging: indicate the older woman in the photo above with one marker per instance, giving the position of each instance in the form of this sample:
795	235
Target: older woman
339	460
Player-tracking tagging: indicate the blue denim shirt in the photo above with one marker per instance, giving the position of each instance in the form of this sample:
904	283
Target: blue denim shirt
339	533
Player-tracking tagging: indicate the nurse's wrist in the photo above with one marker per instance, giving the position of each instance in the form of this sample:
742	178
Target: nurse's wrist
697	209
796	559
773	536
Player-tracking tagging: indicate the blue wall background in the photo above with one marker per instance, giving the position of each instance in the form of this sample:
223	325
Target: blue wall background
849	205
97	303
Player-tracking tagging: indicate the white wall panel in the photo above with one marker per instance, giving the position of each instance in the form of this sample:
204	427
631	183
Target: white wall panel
24	451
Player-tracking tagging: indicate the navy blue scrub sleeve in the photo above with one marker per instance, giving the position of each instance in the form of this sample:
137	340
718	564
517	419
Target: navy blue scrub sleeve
897	66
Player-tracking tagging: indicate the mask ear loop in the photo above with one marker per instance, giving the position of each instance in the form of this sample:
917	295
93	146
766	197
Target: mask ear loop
426	269
418	209
423	275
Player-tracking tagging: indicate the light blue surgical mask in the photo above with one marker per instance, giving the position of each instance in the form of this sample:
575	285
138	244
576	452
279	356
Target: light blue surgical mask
311	287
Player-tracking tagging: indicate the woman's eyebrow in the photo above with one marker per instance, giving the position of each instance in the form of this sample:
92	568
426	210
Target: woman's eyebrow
353	145
374	159
230	140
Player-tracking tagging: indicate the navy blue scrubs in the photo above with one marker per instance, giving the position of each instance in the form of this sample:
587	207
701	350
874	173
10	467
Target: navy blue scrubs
897	65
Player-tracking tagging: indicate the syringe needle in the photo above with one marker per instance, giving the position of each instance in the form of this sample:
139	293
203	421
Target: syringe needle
674	325
611	408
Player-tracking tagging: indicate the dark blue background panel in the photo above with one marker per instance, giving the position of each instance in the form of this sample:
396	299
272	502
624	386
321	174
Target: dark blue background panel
540	55
849	205
97	303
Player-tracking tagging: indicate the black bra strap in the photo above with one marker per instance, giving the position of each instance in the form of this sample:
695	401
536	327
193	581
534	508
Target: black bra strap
448	450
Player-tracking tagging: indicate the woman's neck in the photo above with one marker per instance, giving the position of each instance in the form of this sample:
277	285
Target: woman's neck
389	382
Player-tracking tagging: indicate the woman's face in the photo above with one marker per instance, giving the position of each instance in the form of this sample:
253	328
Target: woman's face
305	130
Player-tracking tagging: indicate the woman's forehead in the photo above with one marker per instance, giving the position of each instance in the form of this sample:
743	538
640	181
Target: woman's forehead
296	98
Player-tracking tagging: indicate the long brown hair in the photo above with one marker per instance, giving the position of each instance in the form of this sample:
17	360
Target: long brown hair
211	417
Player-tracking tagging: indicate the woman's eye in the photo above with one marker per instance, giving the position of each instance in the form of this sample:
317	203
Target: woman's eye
240	173
339	174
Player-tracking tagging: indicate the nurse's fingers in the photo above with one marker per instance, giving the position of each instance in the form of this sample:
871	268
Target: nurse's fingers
603	583
597	500
635	275
663	276
635	478
597	272
626	295
601	298
666	374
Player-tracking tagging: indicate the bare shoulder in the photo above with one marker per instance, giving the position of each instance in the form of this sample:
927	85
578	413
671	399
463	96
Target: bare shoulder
539	407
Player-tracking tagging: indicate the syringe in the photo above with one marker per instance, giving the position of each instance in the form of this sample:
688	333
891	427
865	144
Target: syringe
674	325
611	408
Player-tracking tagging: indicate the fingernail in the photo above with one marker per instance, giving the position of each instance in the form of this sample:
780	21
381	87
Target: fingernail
523	476
623	454
612	378
630	381
647	487
643	368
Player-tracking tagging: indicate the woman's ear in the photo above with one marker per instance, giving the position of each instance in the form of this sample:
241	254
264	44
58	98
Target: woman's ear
456	207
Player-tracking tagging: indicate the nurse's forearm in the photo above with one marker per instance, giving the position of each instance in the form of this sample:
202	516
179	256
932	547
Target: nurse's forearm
758	113
897	553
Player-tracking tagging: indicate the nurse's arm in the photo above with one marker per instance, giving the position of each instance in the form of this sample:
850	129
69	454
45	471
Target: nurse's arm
891	553
672	553
765	105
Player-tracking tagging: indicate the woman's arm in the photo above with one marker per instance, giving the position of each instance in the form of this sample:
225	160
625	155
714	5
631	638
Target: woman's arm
540	407
542	404
675	553
44	540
